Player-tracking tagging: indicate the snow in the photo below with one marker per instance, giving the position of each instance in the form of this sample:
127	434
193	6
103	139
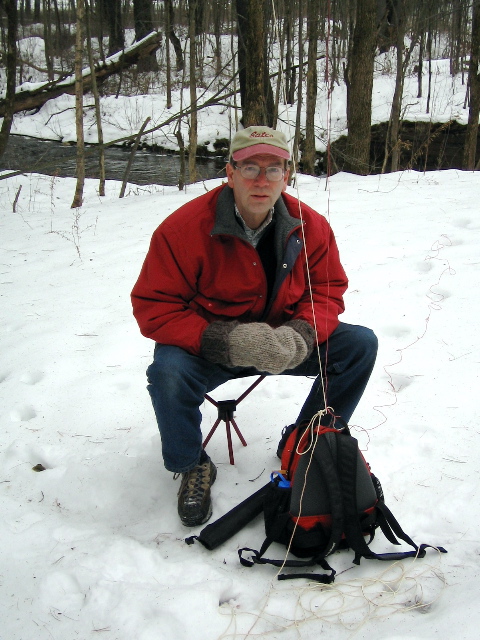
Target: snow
92	546
93	543
124	115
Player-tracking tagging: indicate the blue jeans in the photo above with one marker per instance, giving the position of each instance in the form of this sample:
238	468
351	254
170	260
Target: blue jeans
178	382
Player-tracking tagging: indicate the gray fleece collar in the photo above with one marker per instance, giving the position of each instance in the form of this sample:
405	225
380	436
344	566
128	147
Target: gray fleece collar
226	223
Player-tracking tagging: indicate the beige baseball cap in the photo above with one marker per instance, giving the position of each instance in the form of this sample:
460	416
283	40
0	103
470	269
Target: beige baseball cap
254	140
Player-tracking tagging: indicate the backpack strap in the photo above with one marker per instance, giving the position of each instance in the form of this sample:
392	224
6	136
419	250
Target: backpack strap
347	465
256	558
328	468
388	521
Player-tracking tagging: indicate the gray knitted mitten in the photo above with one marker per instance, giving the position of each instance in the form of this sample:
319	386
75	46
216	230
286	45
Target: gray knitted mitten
214	346
258	345
273	350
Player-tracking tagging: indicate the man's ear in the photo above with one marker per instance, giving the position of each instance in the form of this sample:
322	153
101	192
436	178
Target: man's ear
285	179
229	170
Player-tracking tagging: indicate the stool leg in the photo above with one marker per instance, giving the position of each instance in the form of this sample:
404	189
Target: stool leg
239	433
229	441
211	432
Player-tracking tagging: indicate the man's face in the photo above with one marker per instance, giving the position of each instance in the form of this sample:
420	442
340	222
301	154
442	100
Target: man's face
254	198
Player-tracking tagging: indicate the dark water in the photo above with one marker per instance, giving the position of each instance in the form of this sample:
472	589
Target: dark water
54	158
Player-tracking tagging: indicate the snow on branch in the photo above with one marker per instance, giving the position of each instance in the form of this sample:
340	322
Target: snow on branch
34	95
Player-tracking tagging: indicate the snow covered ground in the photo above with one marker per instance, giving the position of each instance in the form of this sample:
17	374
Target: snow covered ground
93	546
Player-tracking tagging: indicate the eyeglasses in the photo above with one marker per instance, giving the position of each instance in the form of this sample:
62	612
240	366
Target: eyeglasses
252	171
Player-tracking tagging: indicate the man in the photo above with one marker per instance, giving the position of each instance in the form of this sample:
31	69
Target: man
240	281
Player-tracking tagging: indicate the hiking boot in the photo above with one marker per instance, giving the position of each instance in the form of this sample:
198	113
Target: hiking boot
194	500
286	431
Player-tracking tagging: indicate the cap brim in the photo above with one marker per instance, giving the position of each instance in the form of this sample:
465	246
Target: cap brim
260	149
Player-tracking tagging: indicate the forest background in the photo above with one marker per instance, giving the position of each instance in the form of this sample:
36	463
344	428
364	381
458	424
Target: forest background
263	61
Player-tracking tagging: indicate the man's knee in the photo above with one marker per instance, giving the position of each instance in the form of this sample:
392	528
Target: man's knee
366	340
169	362
354	341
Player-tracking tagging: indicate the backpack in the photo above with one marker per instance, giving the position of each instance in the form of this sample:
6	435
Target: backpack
325	498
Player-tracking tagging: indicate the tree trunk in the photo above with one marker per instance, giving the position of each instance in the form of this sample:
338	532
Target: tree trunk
172	36
267	86
471	133
296	139
10	7
251	62
217	26
359	80
60	42
142	17
289	72
420	66
193	134
132	157
78	197
112	10
309	154
47	39
429	55
98	112
168	70
181	148
393	143
234	50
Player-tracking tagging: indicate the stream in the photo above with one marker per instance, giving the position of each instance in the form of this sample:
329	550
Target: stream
54	158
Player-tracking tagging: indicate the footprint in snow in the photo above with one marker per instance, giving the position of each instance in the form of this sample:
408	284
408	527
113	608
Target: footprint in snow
439	293
31	377
400	381
121	385
396	331
463	223
425	266
22	413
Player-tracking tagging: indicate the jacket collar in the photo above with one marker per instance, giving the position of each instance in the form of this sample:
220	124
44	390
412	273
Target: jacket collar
226	223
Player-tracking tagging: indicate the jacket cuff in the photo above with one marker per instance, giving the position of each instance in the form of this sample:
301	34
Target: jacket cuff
214	344
306	331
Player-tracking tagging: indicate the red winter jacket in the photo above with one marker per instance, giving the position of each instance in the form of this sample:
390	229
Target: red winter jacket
200	268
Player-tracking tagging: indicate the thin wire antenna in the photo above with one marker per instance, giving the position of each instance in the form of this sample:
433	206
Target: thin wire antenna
315	420
281	79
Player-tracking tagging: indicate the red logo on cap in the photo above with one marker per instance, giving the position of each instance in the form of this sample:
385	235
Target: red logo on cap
261	134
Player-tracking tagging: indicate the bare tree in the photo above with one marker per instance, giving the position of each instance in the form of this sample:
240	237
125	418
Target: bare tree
168	66
471	134
393	143
112	11
252	62
193	134
296	139
78	197
10	8
309	155
143	19
359	81
98	112
172	36
47	38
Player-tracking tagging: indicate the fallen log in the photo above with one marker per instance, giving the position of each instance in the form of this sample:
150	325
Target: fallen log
33	96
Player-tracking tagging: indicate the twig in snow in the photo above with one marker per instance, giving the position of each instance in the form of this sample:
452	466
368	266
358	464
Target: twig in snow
16	199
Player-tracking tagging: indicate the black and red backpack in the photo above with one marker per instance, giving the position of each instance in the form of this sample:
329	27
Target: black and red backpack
325	498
